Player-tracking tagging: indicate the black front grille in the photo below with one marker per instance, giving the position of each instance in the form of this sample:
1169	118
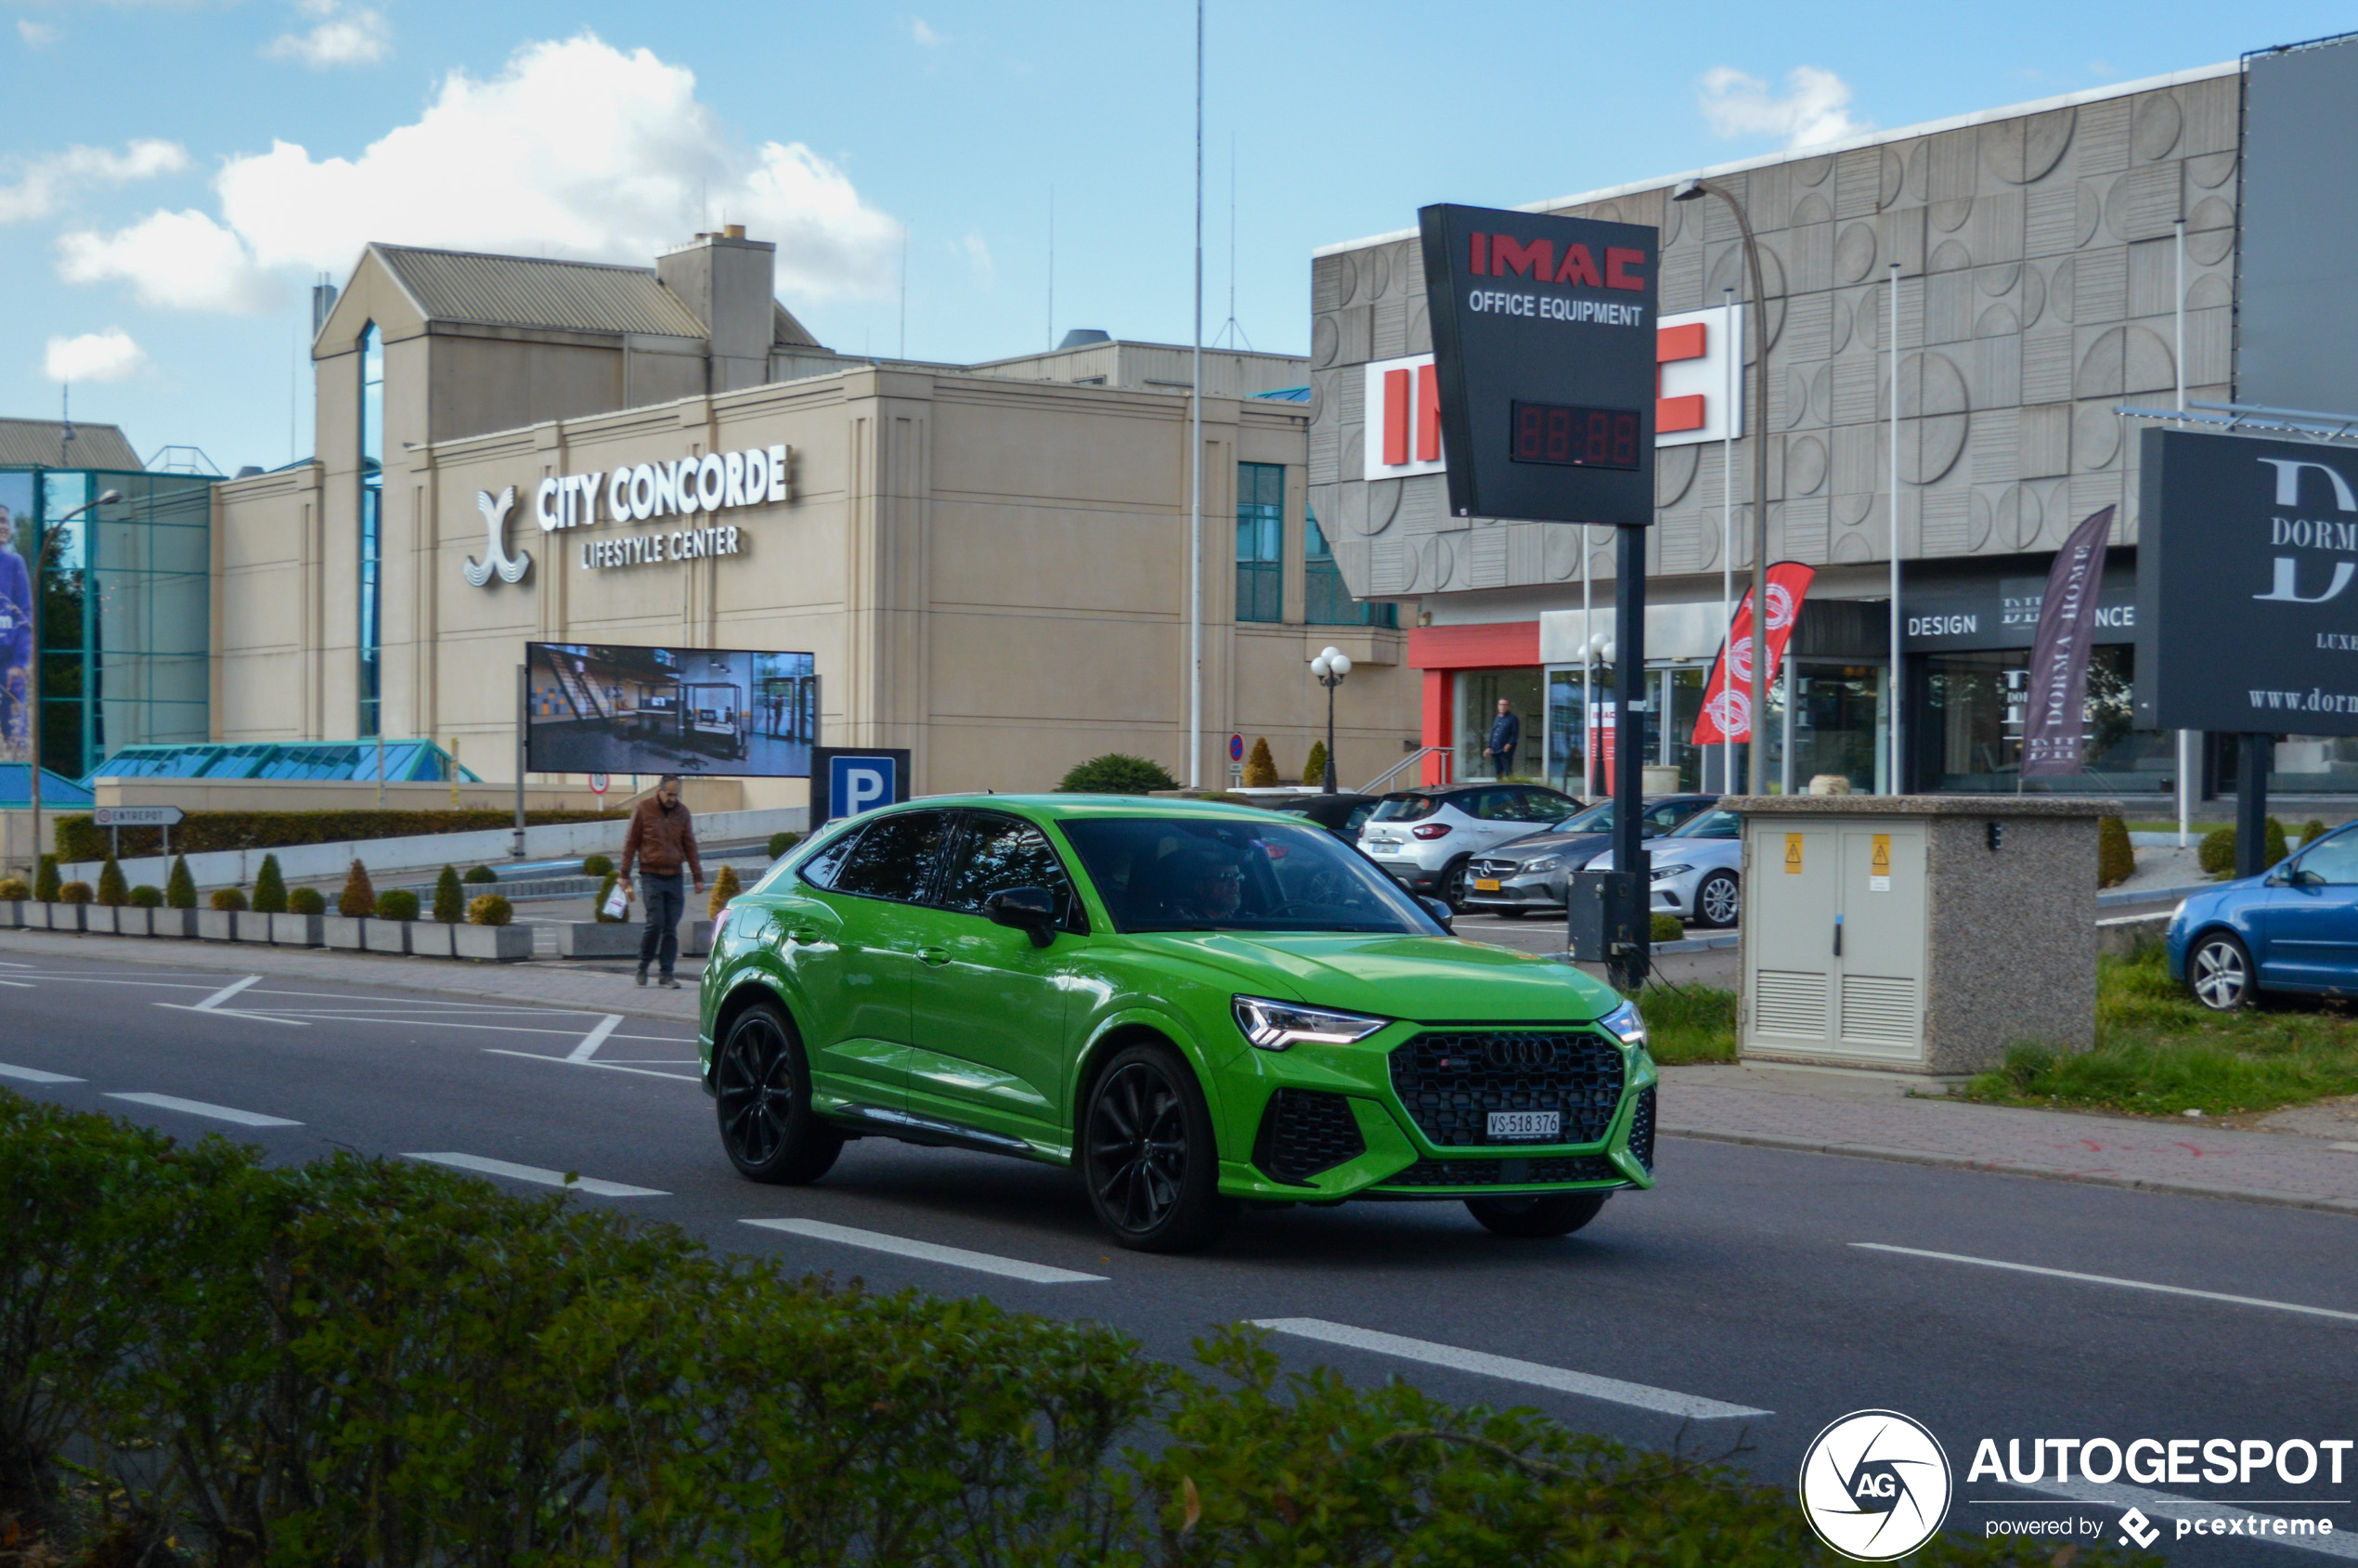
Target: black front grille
1304	1131
1641	1129
1449	1082
1506	1172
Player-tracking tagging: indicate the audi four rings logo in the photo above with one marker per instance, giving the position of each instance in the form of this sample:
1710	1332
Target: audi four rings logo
1875	1486
1518	1053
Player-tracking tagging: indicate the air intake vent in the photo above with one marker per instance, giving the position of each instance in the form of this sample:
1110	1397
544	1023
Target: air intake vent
1304	1131
1880	1011
1787	1002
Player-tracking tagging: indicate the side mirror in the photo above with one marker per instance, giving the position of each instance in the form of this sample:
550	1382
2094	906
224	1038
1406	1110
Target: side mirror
1442	914
1029	909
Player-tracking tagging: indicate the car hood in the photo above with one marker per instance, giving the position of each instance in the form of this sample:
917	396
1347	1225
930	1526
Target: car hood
1424	978
1715	853
1552	843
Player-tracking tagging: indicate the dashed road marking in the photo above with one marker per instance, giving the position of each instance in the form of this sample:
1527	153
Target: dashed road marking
608	1066
932	1252
595	1038
34	1075
2108	1279
200	1107
1563	1381
534	1174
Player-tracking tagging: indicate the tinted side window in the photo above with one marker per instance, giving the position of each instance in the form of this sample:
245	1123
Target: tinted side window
1002	853
897	856
2336	860
1493	806
820	869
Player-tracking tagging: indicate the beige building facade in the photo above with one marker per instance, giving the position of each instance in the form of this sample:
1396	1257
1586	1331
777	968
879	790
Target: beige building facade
989	563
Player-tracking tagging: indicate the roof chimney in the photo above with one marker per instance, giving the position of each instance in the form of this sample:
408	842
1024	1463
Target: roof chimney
730	282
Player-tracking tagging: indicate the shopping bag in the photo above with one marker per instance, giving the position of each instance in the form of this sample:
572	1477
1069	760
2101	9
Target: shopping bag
617	904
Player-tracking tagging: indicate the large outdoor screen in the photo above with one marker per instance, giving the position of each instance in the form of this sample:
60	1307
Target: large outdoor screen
603	707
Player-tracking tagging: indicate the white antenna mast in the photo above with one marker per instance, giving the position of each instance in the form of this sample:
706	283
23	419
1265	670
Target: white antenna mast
1233	332
1052	267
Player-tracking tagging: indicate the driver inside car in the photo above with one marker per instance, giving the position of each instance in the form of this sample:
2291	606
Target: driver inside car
1203	884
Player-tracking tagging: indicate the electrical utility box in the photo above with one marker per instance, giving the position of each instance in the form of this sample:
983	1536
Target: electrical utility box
1917	933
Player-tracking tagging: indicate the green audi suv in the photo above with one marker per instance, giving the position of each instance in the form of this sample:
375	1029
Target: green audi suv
1196	1006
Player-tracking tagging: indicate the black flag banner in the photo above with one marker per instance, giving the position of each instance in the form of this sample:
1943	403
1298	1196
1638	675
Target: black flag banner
2056	724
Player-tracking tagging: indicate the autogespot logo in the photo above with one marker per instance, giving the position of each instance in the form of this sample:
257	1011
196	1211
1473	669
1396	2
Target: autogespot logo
1875	1486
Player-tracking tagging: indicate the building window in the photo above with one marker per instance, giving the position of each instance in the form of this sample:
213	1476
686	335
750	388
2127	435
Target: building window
1260	541
372	508
1328	602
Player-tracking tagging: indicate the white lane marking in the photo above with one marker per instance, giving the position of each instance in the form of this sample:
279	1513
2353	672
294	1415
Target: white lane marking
535	1173
595	1038
199	1108
20	985
609	1067
956	1257
2108	1279
34	1075
2345	1148
1588	1384
2163	1504
218	997
213	1004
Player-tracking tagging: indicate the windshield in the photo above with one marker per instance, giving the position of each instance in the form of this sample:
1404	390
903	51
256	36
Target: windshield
1711	824
1406	807
1180	873
1595	819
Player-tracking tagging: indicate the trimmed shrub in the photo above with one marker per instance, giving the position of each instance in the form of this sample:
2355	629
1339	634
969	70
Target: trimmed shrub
359	900
270	887
306	900
489	909
1261	767
2310	830
114	892
142	897
2272	846
1666	928
227	899
606	890
1314	771
80	839
46	881
2116	857
782	842
449	897
724	887
397	903
2216	854
481	876
75	893
597	865
1117	773
180	887
14	890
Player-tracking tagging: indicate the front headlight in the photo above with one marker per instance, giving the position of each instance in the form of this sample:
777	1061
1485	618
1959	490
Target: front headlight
1664	873
1545	863
1625	1024
1273	1026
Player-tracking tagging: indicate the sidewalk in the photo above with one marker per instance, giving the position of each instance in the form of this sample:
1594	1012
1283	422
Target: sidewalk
586	988
1871	1116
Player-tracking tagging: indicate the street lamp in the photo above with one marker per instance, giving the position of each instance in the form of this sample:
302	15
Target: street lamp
1330	667
1687	190
51	537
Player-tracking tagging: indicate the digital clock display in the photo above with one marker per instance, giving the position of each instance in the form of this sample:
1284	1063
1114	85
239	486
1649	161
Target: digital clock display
1573	438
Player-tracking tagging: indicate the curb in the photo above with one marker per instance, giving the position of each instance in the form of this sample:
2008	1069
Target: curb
2348	1206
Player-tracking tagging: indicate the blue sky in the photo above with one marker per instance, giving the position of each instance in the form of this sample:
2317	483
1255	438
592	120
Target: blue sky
173	174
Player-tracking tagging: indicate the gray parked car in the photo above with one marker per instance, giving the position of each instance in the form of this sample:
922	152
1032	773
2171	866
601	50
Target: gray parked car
1532	873
1427	838
1698	870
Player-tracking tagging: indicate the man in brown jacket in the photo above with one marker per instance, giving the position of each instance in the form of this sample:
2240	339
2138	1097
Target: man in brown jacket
661	837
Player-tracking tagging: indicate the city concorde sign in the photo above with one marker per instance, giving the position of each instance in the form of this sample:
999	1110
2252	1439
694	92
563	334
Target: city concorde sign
679	487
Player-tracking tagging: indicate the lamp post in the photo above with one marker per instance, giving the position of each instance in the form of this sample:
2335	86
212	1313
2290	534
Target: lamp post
1330	667
1687	190
51	537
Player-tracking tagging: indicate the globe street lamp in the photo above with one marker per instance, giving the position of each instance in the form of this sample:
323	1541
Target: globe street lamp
1687	190
51	537
1330	667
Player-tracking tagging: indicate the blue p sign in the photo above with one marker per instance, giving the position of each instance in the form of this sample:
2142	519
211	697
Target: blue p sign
855	784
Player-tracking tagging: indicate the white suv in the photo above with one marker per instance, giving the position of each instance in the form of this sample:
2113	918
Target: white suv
1425	836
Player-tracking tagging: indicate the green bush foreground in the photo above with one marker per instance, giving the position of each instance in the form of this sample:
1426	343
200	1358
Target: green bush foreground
363	1362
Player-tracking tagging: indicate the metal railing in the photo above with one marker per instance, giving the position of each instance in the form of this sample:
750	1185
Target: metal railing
1447	754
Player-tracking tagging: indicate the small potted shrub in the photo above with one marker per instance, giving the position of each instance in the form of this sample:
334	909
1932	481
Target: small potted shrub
46	881
141	913
228	900
782	842
76	893
306	900
296	922
217	922
489	932
449	897
178	915
347	928
724	887
481	876
598	865
397	903
15	893
114	892
269	887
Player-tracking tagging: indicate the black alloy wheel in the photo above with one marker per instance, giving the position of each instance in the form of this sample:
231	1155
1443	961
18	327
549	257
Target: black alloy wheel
2219	972
1555	1213
1453	887
1718	901
1147	1155
761	1092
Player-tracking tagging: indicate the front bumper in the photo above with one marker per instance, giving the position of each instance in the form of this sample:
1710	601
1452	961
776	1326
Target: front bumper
1538	889
1309	1105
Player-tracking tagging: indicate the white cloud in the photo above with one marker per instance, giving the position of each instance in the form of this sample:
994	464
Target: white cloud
977	251
1814	109
925	34
575	150
109	356
36	34
177	261
342	34
48	181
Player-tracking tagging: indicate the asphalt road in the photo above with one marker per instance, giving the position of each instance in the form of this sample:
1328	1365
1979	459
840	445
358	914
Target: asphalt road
1754	1295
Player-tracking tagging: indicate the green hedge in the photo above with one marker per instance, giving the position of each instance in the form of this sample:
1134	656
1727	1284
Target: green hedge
207	1360
80	839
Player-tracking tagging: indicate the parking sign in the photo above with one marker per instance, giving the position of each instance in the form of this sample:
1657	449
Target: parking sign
845	781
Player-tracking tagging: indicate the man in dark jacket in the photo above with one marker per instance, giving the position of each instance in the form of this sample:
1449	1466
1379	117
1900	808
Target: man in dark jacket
1506	735
661	838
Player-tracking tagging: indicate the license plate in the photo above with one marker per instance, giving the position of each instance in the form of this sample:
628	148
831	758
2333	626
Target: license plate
1485	884
1540	1126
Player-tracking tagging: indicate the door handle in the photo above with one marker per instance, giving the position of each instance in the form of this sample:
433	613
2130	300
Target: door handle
936	956
1837	936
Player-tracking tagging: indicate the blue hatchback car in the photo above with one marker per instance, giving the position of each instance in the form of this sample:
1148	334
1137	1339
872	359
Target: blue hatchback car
2295	928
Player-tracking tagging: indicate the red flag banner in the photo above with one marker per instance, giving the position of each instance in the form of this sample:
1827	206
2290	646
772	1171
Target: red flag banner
1726	699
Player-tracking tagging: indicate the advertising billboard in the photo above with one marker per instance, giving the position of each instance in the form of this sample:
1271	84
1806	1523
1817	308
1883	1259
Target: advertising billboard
16	618
603	707
1544	338
2246	553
